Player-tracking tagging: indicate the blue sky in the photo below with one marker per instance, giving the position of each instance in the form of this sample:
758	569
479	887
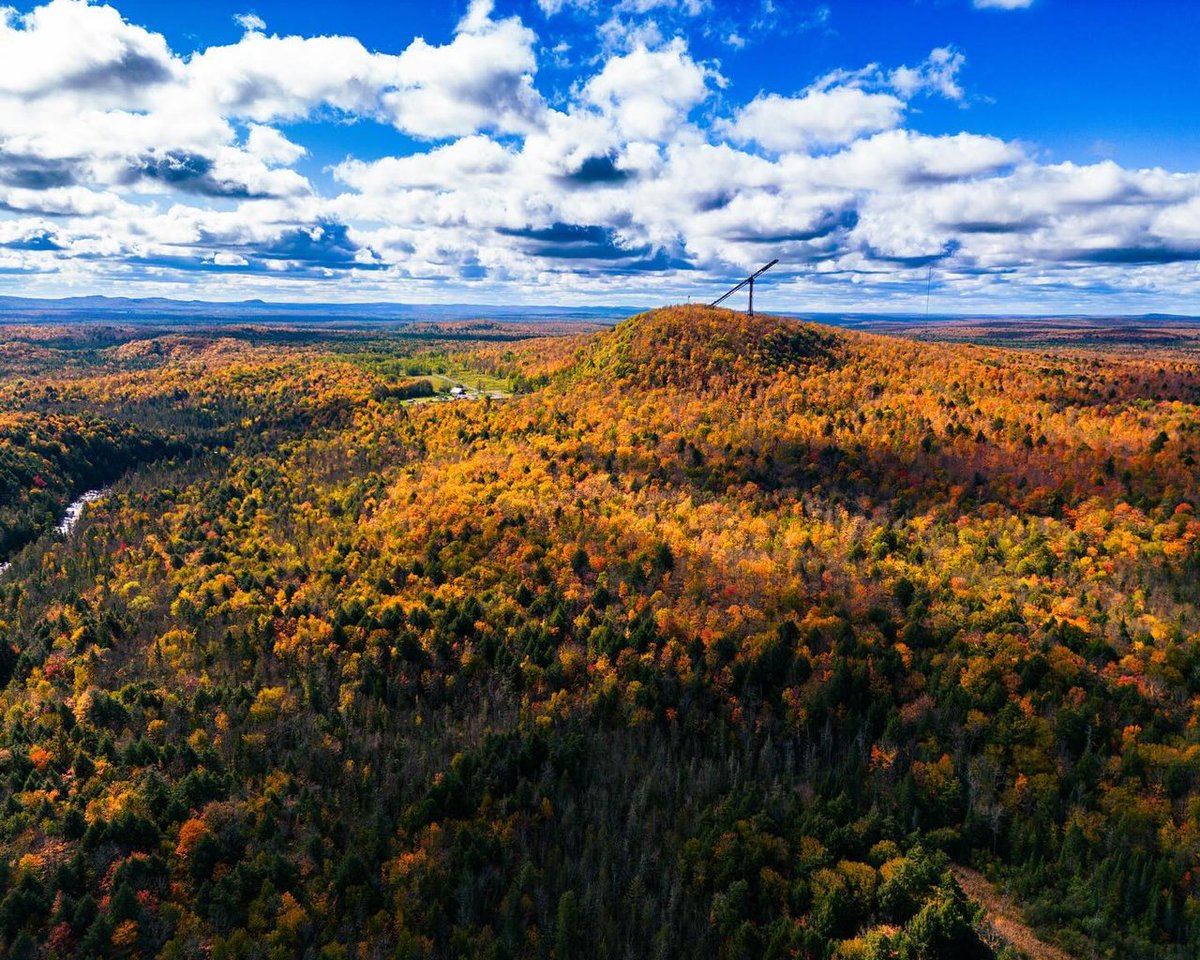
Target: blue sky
1032	157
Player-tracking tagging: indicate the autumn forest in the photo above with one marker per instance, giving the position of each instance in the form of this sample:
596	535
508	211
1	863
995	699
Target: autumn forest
697	636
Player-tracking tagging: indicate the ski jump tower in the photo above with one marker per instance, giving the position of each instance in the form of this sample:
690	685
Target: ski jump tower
749	281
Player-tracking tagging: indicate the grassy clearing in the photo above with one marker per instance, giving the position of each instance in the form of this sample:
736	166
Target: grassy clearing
435	368
475	380
470	380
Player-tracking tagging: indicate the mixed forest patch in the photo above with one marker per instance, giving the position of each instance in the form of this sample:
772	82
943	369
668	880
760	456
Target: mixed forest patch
718	636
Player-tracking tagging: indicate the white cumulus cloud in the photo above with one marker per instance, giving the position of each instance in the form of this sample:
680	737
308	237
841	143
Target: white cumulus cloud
819	118
650	92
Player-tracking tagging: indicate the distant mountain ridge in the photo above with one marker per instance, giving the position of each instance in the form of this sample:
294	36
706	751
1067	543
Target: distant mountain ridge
30	309
137	309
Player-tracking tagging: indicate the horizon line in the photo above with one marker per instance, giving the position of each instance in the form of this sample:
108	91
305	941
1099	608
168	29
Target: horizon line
17	301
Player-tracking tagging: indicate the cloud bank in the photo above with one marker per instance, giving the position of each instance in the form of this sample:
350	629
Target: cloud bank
123	161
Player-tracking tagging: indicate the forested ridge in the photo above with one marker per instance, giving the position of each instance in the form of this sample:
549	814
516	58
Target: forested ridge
720	636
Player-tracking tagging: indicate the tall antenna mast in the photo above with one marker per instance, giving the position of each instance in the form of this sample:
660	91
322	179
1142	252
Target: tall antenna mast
928	286
749	281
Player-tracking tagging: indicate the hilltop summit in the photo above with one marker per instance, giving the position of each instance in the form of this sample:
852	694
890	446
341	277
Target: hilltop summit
698	347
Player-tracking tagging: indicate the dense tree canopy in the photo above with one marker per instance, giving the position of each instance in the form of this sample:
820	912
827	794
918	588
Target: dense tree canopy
716	637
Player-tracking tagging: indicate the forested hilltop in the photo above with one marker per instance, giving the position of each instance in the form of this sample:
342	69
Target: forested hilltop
711	637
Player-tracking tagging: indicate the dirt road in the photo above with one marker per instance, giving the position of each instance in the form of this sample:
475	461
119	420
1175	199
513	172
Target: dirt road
1003	918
